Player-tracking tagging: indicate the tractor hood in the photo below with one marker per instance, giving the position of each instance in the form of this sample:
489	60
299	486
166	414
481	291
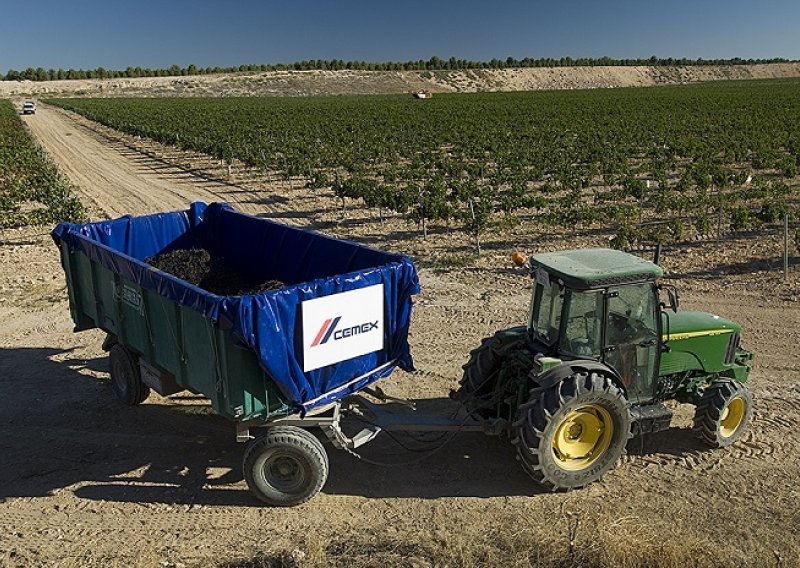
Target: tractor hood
698	342
684	325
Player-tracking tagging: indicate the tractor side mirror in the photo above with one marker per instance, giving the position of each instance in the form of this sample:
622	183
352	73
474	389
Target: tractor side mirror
672	295
673	299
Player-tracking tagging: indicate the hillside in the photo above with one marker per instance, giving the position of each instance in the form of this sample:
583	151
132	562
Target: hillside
308	83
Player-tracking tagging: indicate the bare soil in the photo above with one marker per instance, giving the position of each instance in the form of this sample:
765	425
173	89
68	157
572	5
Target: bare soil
86	481
346	82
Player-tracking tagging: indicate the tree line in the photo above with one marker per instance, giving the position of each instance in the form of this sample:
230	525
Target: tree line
432	64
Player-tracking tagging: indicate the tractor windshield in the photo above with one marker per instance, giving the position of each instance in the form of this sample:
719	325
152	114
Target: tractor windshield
583	332
546	317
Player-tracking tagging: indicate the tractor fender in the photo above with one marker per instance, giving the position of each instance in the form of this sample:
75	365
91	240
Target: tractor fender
569	368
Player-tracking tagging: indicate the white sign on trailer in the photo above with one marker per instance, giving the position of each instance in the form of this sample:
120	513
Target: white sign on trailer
342	326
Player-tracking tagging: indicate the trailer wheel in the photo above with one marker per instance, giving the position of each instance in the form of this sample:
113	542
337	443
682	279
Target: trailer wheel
285	466
723	412
572	433
125	378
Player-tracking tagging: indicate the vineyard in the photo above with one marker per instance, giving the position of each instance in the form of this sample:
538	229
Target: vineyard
32	190
651	165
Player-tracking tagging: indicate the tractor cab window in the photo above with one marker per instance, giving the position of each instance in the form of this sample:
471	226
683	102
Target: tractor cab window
632	314
547	307
632	337
583	333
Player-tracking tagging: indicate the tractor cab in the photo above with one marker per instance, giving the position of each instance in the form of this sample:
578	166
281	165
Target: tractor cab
602	305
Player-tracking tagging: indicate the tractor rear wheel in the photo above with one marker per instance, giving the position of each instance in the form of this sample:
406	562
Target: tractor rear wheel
285	466
477	383
125	377
723	413
570	434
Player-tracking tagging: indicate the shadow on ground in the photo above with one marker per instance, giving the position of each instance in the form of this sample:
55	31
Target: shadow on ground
65	430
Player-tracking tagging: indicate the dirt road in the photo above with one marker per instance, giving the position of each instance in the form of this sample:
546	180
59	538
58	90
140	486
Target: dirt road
111	179
87	481
114	178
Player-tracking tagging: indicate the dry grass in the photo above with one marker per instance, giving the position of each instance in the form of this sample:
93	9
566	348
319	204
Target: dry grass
576	541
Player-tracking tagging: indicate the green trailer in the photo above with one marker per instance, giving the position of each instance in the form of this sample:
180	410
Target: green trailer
275	363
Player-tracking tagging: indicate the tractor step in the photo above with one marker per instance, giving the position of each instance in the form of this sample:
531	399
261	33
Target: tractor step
650	418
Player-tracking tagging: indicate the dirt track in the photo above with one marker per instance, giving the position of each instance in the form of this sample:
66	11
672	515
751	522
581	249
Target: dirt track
84	480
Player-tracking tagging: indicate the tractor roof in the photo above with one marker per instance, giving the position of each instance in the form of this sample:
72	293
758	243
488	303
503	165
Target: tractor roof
596	267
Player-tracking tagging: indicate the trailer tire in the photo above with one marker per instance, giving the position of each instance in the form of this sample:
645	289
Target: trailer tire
125	377
723	413
572	433
285	466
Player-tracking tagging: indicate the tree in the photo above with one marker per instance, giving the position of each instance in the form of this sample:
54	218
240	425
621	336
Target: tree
435	63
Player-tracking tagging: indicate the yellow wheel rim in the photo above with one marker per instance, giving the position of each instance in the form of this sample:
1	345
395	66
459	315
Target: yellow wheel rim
582	437
732	417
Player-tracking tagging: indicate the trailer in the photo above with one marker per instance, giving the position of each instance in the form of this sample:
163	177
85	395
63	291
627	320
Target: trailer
275	363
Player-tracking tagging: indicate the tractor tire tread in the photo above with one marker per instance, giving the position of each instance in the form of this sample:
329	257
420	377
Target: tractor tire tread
708	412
535	416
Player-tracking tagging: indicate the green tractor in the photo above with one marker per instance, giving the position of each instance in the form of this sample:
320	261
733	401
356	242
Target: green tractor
599	355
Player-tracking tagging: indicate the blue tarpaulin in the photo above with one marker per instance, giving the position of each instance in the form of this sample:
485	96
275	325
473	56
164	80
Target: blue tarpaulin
312	265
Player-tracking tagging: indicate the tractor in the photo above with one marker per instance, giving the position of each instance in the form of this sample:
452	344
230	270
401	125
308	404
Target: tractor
604	346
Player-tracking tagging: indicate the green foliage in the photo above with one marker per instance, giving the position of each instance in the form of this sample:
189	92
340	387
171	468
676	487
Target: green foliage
702	224
626	236
32	190
773	211
740	218
788	166
668	158
319	179
677	229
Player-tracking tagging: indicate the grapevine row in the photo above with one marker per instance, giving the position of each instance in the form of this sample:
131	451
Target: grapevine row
656	164
32	190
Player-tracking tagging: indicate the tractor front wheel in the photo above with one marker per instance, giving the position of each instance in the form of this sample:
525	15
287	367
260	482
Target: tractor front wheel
570	434
723	412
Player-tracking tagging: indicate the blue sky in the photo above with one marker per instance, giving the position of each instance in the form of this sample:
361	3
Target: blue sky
115	34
